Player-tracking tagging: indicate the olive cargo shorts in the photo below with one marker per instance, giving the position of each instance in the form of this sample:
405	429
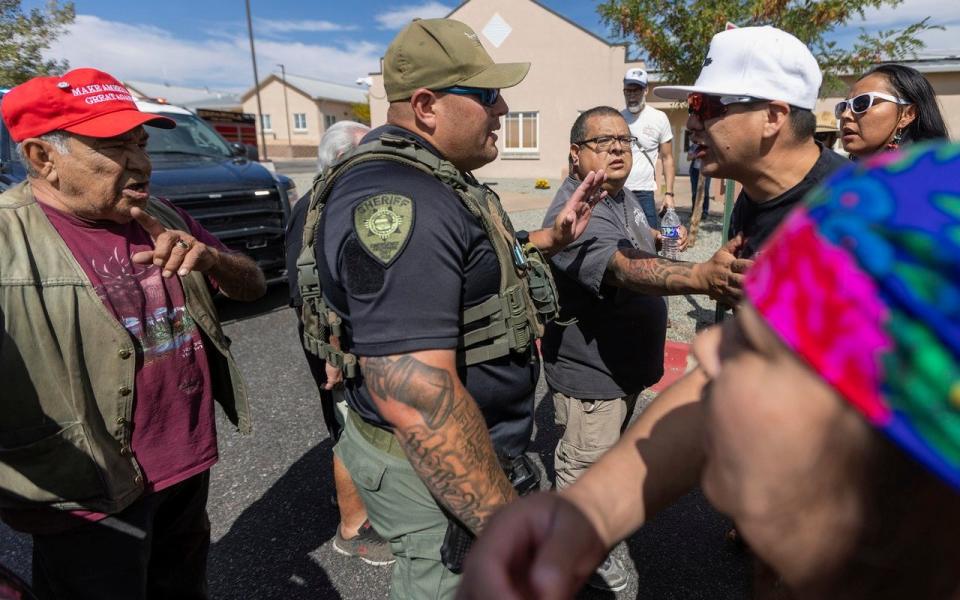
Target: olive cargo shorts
403	512
591	427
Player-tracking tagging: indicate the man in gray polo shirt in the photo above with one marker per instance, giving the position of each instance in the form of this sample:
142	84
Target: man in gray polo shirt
611	284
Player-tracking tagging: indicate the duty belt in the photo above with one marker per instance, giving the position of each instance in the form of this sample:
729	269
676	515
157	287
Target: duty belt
381	439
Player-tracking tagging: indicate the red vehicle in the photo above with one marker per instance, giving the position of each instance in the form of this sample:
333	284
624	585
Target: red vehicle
234	127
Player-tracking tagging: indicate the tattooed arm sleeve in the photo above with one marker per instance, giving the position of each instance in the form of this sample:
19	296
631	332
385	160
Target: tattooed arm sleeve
654	275
720	277
441	430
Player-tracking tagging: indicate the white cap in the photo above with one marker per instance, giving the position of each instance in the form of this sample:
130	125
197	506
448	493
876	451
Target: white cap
762	62
637	77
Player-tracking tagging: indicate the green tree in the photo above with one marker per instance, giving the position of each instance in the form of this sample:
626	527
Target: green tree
361	112
675	34
25	35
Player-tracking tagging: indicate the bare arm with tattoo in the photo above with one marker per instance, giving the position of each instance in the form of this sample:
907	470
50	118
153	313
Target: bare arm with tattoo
721	277
439	426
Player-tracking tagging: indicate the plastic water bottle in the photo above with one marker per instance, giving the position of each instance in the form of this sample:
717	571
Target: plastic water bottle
670	230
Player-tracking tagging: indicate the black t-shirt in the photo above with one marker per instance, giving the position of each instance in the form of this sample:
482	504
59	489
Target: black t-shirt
411	298
615	346
757	220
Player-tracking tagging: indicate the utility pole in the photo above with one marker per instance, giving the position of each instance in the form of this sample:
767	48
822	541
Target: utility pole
286	106
256	81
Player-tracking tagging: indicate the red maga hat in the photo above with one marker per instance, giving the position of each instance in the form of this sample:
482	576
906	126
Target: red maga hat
84	101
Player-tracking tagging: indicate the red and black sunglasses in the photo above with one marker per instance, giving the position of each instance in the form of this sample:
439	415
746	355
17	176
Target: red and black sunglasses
707	106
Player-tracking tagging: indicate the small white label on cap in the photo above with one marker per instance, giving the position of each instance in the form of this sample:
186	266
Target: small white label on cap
63	85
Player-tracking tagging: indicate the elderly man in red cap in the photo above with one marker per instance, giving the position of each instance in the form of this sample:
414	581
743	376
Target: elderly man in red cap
111	352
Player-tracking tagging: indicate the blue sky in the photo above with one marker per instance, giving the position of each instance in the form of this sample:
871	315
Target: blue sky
204	42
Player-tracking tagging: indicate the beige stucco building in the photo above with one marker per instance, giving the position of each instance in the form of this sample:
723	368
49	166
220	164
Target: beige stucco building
313	105
571	70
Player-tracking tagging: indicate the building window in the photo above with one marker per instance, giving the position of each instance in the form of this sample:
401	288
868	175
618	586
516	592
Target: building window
522	132
329	120
300	121
265	123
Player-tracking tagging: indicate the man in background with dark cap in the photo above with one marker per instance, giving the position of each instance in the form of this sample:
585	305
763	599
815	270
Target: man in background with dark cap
111	352
432	286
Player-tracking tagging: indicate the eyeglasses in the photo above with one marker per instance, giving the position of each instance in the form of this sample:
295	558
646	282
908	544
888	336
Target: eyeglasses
861	102
605	142
487	96
706	106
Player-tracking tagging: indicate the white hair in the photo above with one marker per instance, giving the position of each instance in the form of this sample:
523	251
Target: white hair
338	138
57	139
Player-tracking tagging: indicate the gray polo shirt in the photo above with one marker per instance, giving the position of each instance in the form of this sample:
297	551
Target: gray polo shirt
615	345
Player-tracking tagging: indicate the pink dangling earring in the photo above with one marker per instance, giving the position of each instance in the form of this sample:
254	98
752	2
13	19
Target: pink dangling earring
897	138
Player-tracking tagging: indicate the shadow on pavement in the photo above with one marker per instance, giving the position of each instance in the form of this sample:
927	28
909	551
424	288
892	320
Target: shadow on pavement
266	553
277	297
683	554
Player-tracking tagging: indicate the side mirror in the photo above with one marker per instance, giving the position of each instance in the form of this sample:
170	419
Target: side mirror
238	149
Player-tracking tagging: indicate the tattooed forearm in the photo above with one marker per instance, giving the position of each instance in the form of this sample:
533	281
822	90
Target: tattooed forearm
459	466
451	448
651	274
407	380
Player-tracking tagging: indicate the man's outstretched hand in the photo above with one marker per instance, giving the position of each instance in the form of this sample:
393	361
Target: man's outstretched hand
723	274
179	252
572	220
174	251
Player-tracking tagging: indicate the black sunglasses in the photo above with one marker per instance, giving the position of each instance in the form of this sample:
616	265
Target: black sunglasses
487	96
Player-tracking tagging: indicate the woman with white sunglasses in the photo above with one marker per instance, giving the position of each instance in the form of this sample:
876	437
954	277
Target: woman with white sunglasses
888	106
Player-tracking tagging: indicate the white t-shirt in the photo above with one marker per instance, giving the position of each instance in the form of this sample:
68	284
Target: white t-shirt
652	128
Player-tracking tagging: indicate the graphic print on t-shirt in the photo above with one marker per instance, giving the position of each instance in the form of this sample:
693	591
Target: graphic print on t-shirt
172	426
136	294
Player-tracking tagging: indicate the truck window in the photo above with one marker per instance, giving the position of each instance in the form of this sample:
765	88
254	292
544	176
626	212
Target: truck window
191	136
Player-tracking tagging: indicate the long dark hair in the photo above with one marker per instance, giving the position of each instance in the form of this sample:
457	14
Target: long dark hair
910	85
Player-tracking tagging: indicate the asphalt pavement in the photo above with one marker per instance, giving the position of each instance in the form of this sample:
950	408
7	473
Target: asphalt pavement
273	521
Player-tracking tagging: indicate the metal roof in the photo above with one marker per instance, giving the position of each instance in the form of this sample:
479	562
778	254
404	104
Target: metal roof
191	97
318	89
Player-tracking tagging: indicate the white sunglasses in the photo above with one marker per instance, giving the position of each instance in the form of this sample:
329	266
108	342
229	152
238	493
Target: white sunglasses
860	103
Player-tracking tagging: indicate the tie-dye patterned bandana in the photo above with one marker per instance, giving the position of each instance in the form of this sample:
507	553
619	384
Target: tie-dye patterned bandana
864	284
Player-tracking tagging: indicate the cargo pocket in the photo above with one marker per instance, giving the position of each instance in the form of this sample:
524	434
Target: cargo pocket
55	468
421	573
368	474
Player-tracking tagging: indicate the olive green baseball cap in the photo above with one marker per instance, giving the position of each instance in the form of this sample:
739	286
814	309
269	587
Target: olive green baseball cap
442	53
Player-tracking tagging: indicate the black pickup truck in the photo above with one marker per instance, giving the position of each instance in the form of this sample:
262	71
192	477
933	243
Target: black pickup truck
238	200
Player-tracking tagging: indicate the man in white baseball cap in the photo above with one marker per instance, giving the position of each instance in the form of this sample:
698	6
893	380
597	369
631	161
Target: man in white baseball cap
751	114
654	136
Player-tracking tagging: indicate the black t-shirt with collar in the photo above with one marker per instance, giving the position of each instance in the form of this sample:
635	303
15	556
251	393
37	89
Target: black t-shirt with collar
757	220
415	302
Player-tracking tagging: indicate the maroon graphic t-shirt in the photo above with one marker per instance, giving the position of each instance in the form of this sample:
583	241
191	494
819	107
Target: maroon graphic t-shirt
173	432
